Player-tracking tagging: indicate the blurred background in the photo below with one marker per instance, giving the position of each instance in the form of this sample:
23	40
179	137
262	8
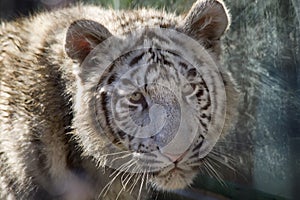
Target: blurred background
261	155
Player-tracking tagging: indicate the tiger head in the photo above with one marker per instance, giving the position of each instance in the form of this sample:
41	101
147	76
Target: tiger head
152	101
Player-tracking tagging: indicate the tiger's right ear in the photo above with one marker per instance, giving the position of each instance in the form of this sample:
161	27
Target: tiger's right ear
82	37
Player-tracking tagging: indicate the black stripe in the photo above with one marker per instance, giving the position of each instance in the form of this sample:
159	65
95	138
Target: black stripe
223	79
192	72
130	137
205	86
136	59
166	62
204	125
122	134
103	98
198	146
200	93
207	105
183	65
111	79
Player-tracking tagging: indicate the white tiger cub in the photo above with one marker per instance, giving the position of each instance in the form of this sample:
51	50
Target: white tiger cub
99	103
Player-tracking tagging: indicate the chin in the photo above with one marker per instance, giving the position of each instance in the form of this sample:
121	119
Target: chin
173	179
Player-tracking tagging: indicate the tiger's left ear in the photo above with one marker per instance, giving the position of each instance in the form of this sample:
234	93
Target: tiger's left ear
82	37
206	22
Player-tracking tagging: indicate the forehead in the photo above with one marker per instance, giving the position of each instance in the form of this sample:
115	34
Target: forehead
156	63
126	21
149	51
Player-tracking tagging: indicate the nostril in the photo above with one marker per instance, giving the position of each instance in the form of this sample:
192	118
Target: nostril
175	157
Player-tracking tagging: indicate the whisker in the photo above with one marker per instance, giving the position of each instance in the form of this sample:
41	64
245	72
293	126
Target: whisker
234	142
106	187
142	183
121	190
216	174
104	156
217	159
120	169
100	161
135	182
147	180
128	177
116	153
225	156
128	180
121	157
206	169
116	173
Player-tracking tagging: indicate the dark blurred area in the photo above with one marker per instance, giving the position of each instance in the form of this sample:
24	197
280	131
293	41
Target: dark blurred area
14	8
11	9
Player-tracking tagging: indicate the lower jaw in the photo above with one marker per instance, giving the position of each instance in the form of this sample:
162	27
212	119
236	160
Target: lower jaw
173	181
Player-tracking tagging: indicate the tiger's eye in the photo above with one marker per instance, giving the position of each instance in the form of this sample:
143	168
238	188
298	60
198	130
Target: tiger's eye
135	97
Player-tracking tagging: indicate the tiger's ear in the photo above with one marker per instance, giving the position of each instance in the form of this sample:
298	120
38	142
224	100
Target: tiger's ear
206	22
82	37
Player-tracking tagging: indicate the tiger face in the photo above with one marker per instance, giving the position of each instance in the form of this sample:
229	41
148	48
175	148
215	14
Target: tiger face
151	101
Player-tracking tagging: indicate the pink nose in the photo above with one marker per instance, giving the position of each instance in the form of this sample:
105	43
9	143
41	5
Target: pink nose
175	157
